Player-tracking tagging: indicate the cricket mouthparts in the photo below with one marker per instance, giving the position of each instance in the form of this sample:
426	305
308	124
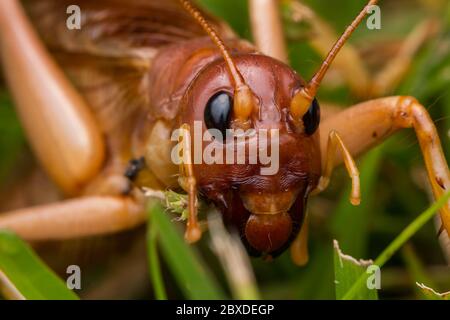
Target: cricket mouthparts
268	232
270	225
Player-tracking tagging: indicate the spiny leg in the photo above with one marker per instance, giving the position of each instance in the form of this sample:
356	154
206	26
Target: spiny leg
188	183
81	217
369	123
267	28
335	141
60	127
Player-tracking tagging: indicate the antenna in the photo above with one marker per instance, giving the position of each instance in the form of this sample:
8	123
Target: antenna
302	100
244	99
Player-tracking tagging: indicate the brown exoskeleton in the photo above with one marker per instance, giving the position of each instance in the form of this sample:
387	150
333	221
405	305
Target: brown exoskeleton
140	70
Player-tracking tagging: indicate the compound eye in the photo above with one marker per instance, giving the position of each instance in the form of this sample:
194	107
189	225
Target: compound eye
311	118
218	112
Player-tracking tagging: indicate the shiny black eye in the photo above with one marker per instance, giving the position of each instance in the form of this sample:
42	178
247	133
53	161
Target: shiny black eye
311	118
218	112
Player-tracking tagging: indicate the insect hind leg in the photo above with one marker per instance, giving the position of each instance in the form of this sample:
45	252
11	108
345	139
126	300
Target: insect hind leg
59	125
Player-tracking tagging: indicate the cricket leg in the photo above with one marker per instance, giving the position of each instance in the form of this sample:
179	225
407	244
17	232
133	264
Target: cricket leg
369	123
267	28
299	247
392	74
188	183
335	141
59	125
80	217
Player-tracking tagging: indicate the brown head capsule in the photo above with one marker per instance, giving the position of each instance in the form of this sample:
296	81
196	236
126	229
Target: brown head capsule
267	209
258	94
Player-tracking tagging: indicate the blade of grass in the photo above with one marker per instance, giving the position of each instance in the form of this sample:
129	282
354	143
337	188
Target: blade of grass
316	280
195	281
153	262
398	242
346	271
27	273
234	259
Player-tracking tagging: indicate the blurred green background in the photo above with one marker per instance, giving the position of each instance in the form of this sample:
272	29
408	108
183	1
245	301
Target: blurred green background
393	189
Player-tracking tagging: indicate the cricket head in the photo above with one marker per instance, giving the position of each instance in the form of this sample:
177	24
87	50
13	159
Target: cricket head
258	157
257	170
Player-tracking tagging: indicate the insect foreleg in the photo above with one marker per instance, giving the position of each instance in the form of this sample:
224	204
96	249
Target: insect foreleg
188	183
335	141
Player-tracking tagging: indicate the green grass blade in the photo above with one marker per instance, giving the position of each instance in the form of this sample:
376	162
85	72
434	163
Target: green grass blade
186	266
27	273
153	262
316	279
346	271
398	242
233	258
